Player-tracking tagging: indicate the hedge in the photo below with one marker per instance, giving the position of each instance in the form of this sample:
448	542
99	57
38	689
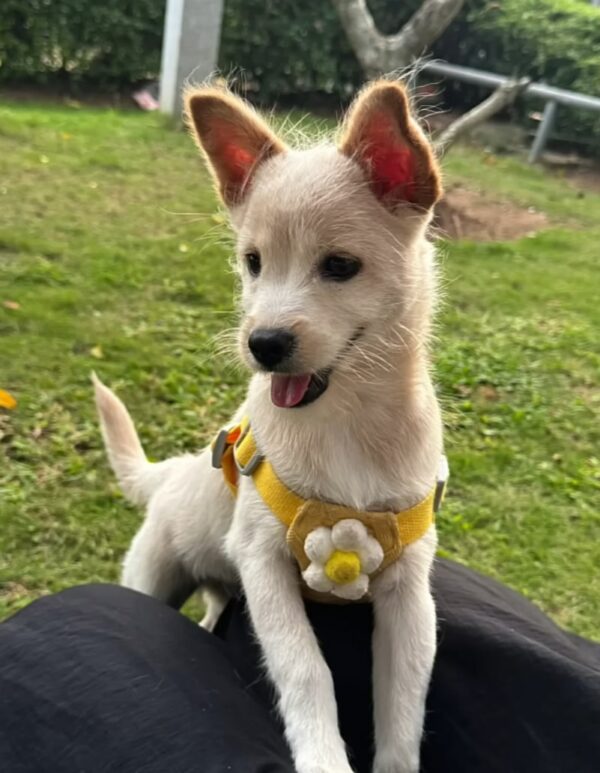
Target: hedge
105	44
283	48
556	41
292	50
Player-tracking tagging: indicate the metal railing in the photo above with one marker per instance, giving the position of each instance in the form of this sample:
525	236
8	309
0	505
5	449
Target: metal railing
552	96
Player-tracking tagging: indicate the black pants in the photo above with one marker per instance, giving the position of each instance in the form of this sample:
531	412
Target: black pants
100	678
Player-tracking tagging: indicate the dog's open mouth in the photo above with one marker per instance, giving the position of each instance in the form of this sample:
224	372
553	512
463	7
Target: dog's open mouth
294	390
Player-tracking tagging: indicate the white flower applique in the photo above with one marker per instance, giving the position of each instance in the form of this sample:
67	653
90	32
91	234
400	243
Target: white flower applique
341	559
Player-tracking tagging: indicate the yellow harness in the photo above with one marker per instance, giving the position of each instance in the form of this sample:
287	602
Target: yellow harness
338	549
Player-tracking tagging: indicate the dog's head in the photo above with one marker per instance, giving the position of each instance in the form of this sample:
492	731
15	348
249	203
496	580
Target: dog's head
331	240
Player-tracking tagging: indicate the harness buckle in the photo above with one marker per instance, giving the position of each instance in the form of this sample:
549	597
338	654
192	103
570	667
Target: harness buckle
256	458
218	448
442	480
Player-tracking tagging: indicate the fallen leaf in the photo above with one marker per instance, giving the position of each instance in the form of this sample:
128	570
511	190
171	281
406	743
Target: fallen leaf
183	248
96	351
11	305
487	392
7	400
44	160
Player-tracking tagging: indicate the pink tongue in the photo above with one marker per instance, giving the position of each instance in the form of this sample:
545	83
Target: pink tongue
286	390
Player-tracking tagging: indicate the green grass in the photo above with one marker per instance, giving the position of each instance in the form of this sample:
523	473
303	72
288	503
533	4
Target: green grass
111	244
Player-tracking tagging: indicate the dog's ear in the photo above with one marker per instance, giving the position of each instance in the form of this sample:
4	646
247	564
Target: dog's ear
233	138
382	136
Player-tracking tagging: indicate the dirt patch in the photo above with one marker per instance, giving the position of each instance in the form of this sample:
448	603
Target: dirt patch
12	591
586	179
467	214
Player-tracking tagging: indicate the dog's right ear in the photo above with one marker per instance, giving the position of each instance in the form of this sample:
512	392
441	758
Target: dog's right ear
234	139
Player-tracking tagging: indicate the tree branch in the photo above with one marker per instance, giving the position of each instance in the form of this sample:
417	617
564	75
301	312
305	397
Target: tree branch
364	37
504	96
423	28
379	53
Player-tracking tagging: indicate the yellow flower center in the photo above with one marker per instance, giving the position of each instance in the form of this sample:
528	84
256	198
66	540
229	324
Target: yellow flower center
342	567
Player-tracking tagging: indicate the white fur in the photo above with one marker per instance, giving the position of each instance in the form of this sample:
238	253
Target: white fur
371	441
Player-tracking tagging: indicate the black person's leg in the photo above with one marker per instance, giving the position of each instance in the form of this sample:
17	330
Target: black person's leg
511	691
101	678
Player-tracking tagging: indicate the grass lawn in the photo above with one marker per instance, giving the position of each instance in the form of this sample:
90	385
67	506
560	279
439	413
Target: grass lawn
114	251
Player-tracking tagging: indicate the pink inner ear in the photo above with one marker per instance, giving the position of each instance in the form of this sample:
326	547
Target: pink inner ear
392	162
235	158
238	162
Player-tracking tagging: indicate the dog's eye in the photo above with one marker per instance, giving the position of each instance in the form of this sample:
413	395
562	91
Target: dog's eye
339	268
253	263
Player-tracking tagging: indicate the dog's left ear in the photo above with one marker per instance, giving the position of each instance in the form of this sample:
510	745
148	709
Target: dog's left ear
383	137
234	139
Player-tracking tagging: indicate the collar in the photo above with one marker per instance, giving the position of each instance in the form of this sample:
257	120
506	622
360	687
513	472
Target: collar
235	452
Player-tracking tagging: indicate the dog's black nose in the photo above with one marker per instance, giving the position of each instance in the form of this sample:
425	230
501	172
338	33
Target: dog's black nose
271	346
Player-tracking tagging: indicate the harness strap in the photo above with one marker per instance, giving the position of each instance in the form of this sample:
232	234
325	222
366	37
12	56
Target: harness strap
235	451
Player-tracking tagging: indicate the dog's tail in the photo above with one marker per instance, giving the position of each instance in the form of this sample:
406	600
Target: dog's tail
138	477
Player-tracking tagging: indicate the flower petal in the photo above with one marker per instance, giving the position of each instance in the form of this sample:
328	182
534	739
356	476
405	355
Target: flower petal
315	578
318	545
352	591
7	400
349	534
371	555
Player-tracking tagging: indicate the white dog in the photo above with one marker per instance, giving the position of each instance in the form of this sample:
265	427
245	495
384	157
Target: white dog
339	466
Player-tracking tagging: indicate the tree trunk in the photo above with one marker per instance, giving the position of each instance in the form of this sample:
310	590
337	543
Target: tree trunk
379	53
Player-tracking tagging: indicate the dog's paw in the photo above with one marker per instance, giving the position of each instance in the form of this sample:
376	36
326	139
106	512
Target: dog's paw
209	622
403	764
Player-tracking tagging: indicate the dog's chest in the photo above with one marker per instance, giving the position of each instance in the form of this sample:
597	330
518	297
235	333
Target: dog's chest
339	543
338	467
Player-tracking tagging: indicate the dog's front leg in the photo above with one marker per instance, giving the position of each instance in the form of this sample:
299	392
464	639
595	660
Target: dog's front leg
292	655
404	643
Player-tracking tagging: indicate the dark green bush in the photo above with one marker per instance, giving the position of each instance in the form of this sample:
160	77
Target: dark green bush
555	41
284	49
105	43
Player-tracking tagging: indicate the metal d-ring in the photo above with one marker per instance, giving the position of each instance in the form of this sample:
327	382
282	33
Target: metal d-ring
255	459
219	447
442	481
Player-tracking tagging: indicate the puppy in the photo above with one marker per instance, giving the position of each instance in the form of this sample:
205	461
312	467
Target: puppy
338	289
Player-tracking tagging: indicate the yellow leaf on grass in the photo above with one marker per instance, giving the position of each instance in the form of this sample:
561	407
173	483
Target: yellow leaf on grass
11	305
96	351
7	400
